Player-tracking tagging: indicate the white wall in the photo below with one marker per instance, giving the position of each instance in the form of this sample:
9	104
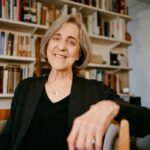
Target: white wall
139	52
139	58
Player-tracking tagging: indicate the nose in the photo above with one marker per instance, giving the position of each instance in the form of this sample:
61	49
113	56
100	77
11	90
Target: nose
61	45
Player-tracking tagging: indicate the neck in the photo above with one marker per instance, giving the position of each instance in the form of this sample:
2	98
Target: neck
62	75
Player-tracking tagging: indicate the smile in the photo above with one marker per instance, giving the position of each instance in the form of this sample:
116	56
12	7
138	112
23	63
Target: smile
60	56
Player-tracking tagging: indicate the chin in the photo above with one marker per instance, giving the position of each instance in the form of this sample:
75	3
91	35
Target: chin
61	68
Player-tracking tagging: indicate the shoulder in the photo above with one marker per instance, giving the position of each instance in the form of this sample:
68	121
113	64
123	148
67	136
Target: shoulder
29	86
30	83
98	87
91	82
90	85
33	80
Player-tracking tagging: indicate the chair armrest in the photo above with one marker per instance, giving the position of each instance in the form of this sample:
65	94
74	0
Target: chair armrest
117	136
111	137
124	136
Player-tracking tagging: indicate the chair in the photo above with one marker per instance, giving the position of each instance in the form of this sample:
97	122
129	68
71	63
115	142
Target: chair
124	136
4	114
117	136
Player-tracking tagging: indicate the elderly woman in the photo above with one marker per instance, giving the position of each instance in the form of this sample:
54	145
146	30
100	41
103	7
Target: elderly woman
63	111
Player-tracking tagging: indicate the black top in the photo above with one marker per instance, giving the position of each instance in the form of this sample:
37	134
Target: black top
84	93
49	127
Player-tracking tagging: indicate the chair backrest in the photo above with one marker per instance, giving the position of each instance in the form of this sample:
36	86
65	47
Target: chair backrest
117	136
4	114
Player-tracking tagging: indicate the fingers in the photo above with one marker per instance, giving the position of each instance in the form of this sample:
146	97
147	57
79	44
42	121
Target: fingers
98	139
80	141
84	136
77	137
91	126
73	135
90	140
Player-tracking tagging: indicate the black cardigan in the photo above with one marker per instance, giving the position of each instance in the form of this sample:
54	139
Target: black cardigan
84	93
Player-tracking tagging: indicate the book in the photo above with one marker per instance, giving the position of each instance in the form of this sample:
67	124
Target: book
5	80
1	78
10	41
39	7
10	83
17	75
38	57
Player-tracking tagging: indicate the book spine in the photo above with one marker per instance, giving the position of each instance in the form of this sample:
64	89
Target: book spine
9	50
5	81
39	7
17	76
1	78
10	87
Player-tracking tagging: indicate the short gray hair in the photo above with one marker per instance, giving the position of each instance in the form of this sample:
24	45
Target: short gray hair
85	44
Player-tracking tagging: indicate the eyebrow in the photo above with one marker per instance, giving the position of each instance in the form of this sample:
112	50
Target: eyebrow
72	37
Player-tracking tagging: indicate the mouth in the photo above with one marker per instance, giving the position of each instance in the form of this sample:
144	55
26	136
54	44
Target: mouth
60	56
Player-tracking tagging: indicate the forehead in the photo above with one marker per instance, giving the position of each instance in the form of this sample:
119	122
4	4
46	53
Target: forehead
69	29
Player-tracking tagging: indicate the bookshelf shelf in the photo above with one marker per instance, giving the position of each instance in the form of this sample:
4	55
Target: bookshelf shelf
109	67
7	24
125	94
6	95
17	59
110	40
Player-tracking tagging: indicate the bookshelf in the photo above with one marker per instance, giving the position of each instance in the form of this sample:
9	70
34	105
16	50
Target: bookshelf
109	67
102	44
18	26
17	59
17	44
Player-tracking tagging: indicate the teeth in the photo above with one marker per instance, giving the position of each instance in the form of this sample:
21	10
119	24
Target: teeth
60	56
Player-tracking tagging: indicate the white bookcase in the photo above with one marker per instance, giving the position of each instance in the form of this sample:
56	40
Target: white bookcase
102	45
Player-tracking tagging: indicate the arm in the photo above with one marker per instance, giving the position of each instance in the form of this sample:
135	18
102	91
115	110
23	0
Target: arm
92	125
6	136
94	122
138	117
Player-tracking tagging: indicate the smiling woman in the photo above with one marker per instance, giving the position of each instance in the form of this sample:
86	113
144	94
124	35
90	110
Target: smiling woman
62	110
82	38
63	48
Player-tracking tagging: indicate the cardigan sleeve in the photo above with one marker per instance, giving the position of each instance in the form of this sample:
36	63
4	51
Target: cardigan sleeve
6	136
138	117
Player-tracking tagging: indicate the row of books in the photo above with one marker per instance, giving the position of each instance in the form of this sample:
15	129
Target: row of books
24	10
118	6
97	25
115	28
11	75
111	79
16	44
35	12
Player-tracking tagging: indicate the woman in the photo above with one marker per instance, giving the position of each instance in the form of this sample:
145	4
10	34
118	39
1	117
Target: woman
63	111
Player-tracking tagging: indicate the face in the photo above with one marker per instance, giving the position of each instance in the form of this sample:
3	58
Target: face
63	47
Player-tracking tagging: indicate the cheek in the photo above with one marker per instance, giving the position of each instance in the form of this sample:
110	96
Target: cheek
76	53
49	52
50	48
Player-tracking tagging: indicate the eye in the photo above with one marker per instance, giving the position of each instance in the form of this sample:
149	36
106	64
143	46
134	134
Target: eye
56	38
72	42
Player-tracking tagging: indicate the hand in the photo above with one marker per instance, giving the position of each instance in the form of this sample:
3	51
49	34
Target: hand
89	128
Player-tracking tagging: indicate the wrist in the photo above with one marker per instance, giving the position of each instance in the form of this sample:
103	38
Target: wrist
107	106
